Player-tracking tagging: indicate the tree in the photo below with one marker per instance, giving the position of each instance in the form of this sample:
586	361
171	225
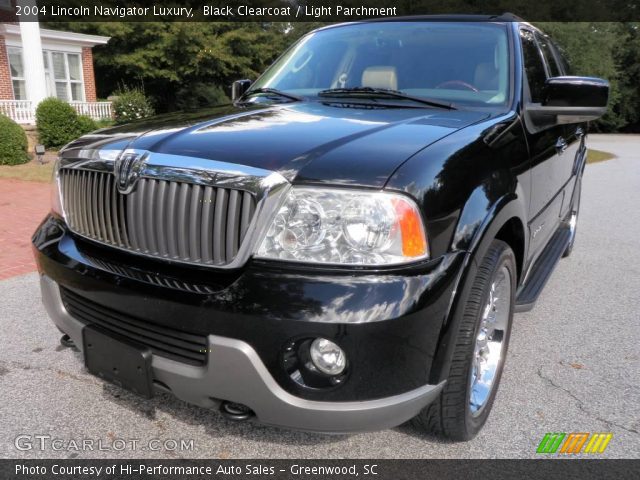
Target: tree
608	50
172	59
184	65
629	68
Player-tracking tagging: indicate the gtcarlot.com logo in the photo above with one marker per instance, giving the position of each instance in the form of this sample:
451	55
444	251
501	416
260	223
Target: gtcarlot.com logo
573	443
47	442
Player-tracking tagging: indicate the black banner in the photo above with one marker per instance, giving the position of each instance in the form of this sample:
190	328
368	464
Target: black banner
320	10
318	469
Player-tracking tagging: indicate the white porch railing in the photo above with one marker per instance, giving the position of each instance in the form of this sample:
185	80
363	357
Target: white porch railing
23	111
20	111
95	110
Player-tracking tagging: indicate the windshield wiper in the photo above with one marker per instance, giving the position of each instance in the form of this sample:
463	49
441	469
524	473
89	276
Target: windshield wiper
272	91
374	92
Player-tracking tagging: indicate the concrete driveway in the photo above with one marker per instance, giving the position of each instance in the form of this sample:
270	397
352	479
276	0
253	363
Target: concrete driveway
573	364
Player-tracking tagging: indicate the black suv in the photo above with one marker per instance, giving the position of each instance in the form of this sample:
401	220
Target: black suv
343	247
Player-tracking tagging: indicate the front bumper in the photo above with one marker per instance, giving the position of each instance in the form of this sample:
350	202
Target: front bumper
240	376
389	325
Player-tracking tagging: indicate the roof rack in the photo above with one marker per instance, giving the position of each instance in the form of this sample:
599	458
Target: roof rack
504	17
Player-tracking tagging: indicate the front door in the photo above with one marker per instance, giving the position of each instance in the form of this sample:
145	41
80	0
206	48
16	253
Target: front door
552	148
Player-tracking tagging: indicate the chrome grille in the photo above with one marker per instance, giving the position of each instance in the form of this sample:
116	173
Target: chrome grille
175	220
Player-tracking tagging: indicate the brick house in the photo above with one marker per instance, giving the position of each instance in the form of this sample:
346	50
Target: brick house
36	63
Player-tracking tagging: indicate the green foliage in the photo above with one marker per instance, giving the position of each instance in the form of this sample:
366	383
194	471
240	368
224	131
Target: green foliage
173	58
131	104
104	123
608	50
200	95
86	124
176	61
57	123
13	143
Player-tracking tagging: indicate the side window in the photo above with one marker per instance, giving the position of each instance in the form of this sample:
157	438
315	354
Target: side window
565	68
547	51
533	65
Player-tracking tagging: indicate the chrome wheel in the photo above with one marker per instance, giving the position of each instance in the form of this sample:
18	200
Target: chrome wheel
489	345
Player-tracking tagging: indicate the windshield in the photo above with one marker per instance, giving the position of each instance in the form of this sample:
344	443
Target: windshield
461	63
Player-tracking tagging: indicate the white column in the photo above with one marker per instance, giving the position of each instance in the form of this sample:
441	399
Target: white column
32	58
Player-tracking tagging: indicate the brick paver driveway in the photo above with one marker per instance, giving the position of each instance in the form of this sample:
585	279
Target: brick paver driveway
23	205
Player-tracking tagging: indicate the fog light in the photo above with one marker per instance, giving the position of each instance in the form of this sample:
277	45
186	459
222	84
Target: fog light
327	356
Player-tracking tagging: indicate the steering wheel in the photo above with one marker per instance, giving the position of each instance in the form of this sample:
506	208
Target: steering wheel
459	83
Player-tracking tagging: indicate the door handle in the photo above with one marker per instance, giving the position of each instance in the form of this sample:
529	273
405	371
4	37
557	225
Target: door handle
561	145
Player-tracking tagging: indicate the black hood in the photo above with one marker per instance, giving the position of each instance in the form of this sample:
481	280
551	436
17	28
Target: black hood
308	142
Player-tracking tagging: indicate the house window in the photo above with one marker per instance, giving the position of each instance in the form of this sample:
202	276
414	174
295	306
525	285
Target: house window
6	5
17	73
63	72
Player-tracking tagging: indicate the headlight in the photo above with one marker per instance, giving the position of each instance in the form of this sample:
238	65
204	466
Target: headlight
346	227
56	202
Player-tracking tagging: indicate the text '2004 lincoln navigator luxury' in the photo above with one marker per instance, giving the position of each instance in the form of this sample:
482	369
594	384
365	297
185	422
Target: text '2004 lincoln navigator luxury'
341	249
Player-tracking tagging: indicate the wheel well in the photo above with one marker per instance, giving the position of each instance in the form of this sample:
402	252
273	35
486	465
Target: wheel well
512	233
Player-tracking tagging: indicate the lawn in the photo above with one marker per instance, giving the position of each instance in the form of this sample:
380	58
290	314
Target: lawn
35	172
31	171
595	156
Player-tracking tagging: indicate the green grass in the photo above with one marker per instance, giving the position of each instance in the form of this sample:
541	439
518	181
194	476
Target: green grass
595	156
32	171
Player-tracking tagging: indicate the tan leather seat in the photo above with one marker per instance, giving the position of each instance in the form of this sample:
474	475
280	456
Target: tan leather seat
380	77
486	77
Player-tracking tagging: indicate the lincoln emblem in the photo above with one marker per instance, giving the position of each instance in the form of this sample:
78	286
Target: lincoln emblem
127	170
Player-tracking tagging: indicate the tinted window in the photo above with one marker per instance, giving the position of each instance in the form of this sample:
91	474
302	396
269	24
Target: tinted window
533	65
547	51
465	63
565	68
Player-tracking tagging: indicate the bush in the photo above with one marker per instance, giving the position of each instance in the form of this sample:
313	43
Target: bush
13	143
86	124
104	123
131	104
57	123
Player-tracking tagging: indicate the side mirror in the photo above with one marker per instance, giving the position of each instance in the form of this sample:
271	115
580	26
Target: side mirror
239	87
570	100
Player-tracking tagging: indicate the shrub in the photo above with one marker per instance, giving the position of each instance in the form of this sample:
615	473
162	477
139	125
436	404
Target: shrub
104	123
86	124
57	123
13	143
131	104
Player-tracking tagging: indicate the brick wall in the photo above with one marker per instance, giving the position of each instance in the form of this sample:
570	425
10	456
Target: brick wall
87	72
6	90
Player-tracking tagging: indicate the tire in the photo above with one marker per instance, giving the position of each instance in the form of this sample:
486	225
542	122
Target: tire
572	219
453	415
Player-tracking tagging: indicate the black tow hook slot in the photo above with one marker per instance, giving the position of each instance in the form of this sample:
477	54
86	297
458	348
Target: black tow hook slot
236	411
66	341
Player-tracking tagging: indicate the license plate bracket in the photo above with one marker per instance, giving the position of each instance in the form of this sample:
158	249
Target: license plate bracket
117	359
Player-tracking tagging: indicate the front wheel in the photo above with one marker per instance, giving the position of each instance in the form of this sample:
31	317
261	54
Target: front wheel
480	349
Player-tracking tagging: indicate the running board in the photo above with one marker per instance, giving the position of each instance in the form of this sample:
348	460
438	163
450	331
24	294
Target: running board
542	269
